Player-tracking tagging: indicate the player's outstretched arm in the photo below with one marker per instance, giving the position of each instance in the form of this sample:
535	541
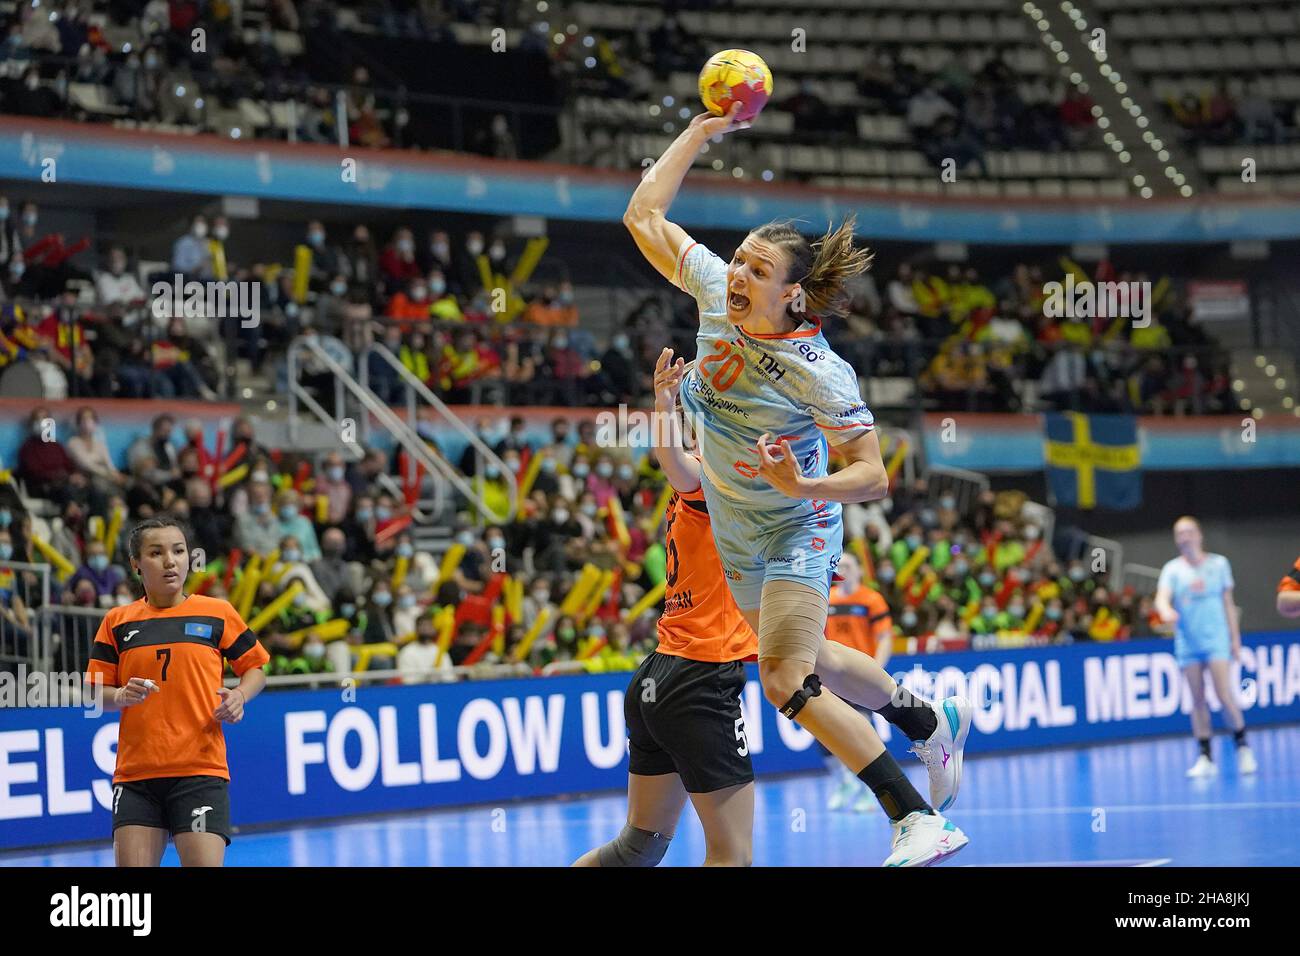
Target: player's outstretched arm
681	469
647	211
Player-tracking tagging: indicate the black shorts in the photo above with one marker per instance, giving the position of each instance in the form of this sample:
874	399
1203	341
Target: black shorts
175	804
683	717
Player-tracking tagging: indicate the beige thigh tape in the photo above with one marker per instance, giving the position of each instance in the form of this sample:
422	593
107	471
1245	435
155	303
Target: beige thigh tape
792	623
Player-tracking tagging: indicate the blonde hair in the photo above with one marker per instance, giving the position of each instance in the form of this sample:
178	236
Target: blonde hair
822	268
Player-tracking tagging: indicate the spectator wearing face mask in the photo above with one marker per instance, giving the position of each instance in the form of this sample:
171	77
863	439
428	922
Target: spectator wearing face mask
492	490
406	612
288	508
68	536
421	655
104	576
552	537
548	478
332	483
325	260
295	567
601	480
257	530
397	264
379	615
574	484
443	306
412	304
191	254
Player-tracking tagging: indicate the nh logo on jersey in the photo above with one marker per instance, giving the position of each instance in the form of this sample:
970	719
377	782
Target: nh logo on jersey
770	367
194	629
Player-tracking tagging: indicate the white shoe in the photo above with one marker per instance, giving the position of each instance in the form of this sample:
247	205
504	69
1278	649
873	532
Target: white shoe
1204	767
923	839
942	751
1246	760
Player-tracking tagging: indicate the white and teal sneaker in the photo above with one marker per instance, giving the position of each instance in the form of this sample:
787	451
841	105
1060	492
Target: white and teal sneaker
924	839
942	751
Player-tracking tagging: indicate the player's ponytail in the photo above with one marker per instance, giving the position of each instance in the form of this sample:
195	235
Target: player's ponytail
822	268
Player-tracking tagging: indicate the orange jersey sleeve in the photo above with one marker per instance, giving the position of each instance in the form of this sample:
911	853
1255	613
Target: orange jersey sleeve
700	621
1292	580
183	649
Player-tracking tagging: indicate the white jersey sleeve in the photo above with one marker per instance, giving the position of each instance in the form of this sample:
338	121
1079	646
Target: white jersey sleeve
836	404
703	274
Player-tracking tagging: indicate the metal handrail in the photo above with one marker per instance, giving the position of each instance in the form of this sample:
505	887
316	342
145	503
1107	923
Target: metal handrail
344	380
416	387
297	393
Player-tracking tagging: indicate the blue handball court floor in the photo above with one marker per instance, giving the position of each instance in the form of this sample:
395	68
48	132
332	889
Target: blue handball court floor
1124	804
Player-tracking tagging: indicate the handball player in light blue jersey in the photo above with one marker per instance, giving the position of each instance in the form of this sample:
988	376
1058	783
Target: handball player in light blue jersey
1194	594
768	399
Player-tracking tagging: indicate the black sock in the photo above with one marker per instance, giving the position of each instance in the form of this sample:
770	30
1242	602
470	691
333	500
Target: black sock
1205	747
895	792
913	717
1239	737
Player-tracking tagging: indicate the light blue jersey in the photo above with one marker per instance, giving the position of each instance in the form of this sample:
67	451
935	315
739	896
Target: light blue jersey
1196	593
790	386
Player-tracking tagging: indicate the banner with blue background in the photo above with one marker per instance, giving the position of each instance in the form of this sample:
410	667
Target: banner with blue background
312	754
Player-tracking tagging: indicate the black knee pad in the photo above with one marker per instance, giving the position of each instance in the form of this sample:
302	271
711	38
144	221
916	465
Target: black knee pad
634	847
812	687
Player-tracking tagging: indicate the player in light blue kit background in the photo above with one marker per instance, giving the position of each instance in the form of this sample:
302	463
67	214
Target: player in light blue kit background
768	398
1195	595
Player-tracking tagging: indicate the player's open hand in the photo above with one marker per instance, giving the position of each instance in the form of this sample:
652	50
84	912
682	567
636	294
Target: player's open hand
668	380
711	124
779	468
231	710
135	691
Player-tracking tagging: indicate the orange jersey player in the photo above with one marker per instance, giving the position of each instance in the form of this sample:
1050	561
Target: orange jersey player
859	617
160	660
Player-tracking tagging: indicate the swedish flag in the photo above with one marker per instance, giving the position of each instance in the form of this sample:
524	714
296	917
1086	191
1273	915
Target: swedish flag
1093	460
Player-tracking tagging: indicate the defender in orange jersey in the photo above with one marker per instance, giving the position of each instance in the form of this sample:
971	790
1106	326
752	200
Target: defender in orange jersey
160	660
686	734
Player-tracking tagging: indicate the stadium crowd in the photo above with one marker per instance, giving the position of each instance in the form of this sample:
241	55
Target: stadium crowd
321	555
970	342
